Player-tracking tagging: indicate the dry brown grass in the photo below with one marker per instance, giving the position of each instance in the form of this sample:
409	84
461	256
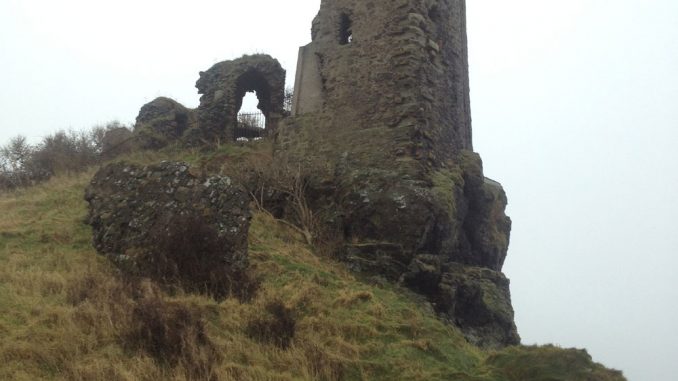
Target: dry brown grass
186	252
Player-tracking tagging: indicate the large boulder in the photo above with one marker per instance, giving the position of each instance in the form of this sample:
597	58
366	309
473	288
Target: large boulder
127	203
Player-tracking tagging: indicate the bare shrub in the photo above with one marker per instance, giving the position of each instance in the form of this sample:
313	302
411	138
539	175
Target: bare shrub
15	168
280	189
251	121
276	326
186	251
13	156
63	152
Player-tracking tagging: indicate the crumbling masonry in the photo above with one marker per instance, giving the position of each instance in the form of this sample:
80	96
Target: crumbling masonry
405	69
223	88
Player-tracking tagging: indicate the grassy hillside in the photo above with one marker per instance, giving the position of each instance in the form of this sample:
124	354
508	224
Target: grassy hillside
65	314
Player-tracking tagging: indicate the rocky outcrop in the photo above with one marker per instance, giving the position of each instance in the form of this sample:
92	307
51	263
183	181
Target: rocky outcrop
161	122
445	237
127	202
475	299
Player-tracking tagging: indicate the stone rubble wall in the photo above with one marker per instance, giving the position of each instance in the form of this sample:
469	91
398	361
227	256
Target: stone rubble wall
126	202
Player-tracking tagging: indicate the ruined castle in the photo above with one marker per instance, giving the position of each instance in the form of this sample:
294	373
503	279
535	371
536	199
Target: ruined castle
381	99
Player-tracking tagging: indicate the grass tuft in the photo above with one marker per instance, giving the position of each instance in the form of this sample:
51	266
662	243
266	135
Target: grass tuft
276	325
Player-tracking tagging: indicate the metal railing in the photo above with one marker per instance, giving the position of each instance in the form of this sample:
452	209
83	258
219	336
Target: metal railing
252	120
251	125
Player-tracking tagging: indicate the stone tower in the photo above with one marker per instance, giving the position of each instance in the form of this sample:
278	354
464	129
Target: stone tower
396	65
382	104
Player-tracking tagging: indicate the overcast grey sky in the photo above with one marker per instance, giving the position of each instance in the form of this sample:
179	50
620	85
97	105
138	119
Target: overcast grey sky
574	109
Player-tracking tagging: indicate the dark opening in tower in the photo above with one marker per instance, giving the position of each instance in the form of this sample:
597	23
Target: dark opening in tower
345	30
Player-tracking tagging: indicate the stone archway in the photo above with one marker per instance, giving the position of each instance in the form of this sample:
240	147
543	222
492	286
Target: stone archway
224	86
255	82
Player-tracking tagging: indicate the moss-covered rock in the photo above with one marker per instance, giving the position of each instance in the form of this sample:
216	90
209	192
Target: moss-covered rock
479	301
128	202
442	233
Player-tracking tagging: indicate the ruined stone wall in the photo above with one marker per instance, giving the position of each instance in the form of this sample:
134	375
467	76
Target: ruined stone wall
405	71
224	86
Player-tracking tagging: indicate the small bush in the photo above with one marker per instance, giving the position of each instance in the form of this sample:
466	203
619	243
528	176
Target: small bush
277	326
185	251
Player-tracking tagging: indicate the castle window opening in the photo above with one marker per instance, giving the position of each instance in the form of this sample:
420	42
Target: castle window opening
345	30
251	121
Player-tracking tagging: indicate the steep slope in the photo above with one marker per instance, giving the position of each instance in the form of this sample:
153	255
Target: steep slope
65	314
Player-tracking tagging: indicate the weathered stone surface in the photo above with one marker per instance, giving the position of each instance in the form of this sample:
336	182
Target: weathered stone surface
117	141
404	72
224	86
126	202
479	301
413	232
475	299
161	122
454	212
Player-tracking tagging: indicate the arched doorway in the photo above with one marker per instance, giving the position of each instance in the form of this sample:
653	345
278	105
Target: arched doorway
253	102
251	120
226	85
